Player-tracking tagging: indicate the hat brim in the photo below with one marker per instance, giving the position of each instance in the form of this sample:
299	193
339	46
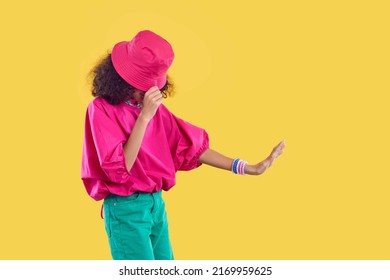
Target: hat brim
132	73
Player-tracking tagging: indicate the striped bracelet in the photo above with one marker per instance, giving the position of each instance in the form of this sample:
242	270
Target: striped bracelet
238	166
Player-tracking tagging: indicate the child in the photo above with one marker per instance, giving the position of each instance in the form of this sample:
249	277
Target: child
133	146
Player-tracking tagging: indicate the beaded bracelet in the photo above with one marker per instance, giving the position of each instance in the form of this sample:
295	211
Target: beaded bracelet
238	166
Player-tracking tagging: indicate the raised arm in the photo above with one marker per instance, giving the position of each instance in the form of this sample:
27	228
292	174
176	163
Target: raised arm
151	102
213	158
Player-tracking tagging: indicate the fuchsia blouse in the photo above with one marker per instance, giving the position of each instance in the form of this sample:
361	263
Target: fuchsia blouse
170	144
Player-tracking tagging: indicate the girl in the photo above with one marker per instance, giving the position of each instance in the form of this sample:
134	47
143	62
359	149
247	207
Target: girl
133	146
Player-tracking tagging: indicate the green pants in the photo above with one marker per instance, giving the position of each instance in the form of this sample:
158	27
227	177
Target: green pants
137	227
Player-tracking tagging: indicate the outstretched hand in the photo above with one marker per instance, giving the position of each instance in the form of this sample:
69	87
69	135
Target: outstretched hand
262	166
278	150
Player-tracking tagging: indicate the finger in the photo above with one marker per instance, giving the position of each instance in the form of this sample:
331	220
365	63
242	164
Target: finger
154	95
150	95
149	99
276	154
281	144
153	88
280	148
157	98
151	91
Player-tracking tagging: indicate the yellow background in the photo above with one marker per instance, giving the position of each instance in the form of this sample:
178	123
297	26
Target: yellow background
252	73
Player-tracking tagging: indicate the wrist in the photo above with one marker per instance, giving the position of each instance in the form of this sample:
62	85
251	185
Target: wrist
250	169
268	160
259	168
142	118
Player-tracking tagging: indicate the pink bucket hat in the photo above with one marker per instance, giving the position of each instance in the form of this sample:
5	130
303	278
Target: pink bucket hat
143	62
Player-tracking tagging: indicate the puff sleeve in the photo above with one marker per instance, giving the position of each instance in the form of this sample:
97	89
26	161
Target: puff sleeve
192	142
103	156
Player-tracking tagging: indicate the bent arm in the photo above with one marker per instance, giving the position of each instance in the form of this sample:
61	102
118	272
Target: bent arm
133	144
152	100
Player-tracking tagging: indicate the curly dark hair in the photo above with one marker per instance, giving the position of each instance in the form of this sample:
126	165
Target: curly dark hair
107	83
